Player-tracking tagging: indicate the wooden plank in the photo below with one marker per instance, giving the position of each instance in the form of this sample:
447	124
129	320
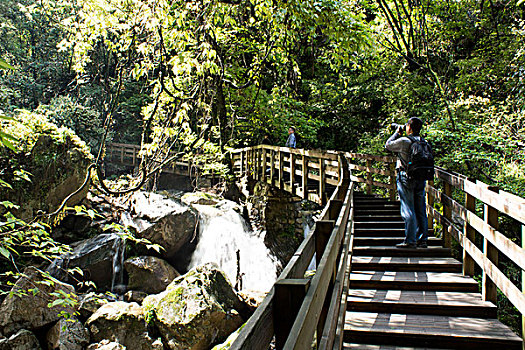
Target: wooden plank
515	296
470	233
322	234
386	159
504	202
288	297
337	308
371	170
304	177
369	176
322	179
305	325
447	331
489	289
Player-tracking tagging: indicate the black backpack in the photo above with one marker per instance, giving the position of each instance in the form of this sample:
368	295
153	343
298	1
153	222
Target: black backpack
420	160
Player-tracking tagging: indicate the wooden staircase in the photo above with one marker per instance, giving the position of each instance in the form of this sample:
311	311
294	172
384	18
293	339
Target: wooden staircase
412	298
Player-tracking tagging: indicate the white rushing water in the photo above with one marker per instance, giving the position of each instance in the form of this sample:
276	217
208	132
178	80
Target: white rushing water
223	233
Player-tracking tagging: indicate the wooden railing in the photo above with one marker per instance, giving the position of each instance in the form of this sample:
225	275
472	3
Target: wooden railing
129	155
297	308
471	213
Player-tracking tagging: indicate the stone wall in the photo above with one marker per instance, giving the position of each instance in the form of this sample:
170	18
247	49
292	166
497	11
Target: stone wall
281	215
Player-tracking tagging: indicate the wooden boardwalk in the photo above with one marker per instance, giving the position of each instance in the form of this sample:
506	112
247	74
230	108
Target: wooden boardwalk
412	298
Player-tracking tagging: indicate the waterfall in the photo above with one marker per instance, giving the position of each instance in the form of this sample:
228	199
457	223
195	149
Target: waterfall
224	239
119	249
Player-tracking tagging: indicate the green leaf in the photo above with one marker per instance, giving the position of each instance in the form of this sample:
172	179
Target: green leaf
5	65
8	144
5	252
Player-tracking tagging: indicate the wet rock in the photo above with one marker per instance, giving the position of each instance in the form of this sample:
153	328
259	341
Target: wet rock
22	340
123	323
196	310
89	303
135	296
29	310
201	198
149	274
67	335
98	258
106	345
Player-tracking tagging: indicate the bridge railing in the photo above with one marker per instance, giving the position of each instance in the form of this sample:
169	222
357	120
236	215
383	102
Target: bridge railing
471	213
297	308
128	154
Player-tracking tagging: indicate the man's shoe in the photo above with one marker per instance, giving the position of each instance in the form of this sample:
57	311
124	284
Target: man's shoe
422	244
406	245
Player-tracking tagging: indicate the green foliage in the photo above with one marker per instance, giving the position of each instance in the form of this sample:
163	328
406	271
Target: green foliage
86	122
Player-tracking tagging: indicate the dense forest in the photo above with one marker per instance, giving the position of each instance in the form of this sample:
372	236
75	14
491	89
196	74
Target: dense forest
198	78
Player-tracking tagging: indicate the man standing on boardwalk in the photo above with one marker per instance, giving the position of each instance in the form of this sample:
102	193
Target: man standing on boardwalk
291	138
411	191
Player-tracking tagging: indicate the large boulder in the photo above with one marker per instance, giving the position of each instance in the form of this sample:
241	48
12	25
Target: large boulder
27	306
67	334
196	310
22	340
149	274
56	159
106	345
162	221
123	323
99	258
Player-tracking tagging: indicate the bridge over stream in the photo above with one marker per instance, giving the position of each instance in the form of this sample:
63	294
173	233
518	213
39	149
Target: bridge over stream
365	293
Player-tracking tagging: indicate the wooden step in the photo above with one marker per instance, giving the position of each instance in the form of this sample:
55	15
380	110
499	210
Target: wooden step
376	207
428	330
379	224
393	251
391	241
378	211
389	263
420	302
413	280
353	346
379	232
376	217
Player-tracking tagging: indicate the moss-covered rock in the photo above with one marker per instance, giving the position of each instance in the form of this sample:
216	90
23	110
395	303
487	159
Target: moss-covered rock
123	323
54	159
196	310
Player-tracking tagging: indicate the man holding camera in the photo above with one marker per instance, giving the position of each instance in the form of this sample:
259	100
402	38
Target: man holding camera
411	190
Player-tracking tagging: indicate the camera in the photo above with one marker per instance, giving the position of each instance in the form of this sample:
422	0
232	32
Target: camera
395	126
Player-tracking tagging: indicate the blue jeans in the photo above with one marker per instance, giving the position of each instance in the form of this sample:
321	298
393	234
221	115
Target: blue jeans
413	208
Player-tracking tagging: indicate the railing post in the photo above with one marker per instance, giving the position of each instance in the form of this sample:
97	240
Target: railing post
447	213
287	300
322	179
470	234
369	176
264	166
272	166
281	169
122	154
430	206
305	176
392	190
489	290
292	172
241	166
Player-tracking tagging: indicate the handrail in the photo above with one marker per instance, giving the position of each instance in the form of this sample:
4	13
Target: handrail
295	308
129	154
459	196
